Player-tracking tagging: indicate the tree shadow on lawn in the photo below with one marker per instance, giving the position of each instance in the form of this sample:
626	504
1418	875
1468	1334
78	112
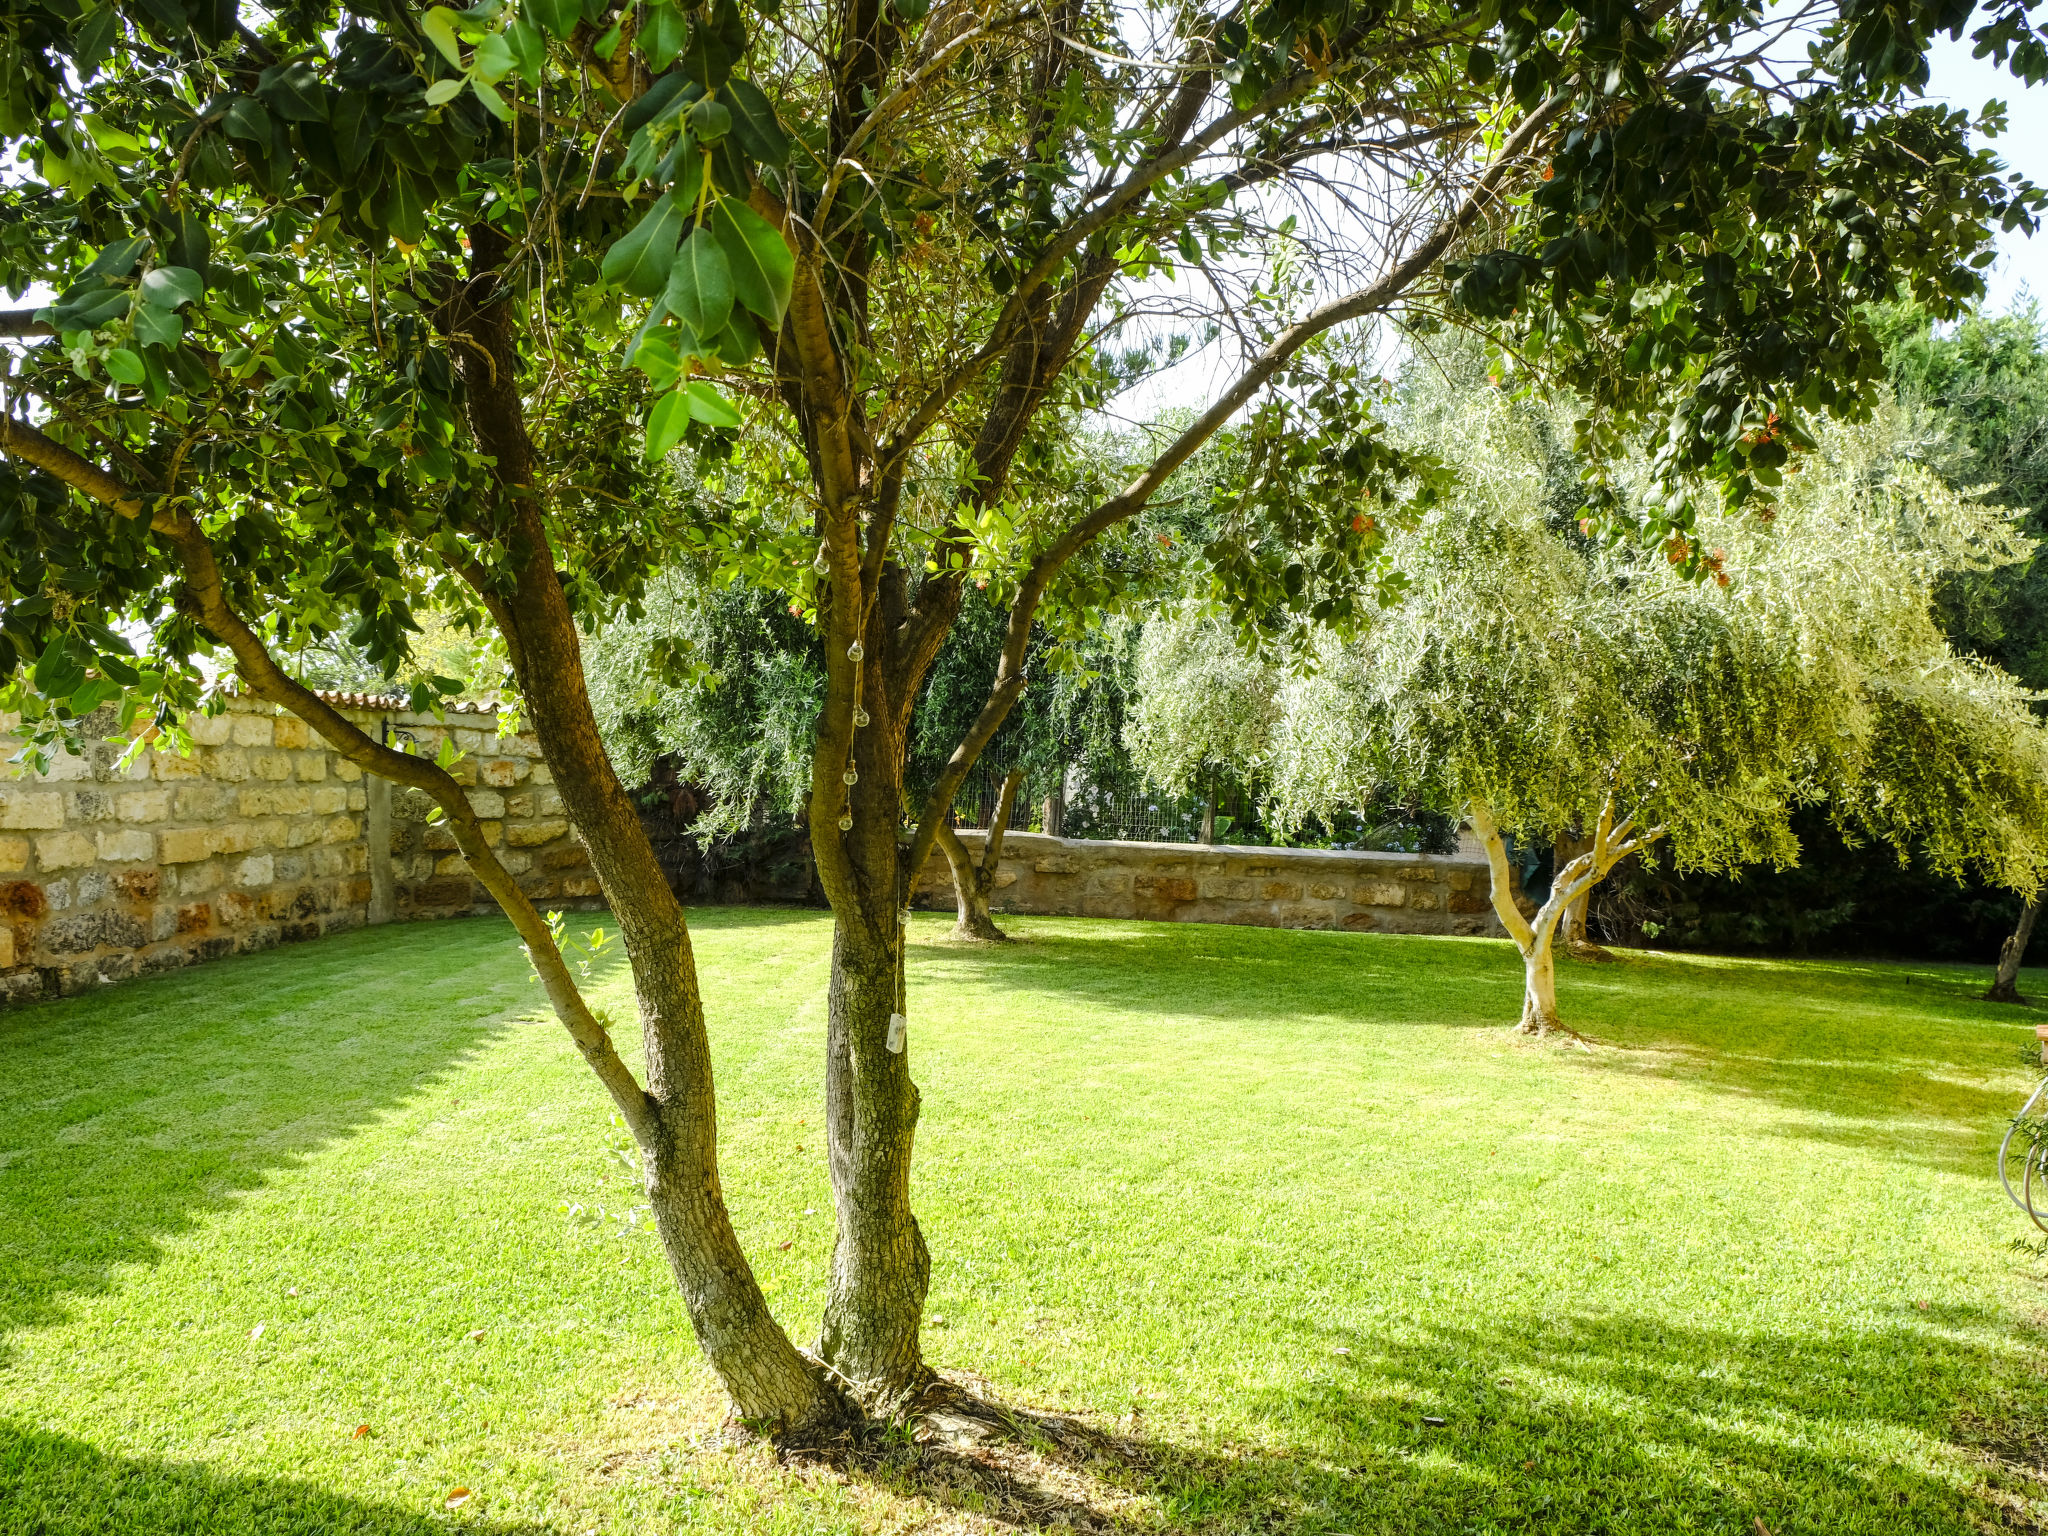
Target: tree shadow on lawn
53	1485
128	1115
1892	1058
1605	1424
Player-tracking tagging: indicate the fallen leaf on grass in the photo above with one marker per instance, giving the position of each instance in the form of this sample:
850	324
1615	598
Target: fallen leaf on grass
457	1497
293	1291
256	1332
1765	1530
476	1336
361	1430
785	1247
1341	1349
1434	1423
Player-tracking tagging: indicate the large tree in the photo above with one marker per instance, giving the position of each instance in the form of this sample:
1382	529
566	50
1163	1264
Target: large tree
342	295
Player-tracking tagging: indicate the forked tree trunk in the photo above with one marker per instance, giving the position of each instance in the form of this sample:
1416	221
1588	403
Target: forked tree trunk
1536	936
2005	986
974	880
1573	929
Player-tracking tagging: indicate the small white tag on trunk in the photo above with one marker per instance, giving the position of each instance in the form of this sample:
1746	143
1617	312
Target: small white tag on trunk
898	1027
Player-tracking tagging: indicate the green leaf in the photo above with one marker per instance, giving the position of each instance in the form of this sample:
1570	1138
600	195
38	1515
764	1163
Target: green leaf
191	243
739	343
529	50
90	311
709	406
439	26
441	92
707	57
558	18
117	258
493	102
668	95
639	260
95	693
666	421
763	270
94	41
124	366
406	217
246	119
293	92
662	33
158	327
700	289
494	58
169	287
709	121
658	360
754	122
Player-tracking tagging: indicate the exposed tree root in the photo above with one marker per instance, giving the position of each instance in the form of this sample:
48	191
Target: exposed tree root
1540	1029
1587	950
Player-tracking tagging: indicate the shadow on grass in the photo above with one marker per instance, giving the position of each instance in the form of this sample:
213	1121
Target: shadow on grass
1609	1424
129	1114
1902	1059
56	1486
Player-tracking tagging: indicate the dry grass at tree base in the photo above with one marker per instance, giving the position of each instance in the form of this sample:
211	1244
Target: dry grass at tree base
1228	1218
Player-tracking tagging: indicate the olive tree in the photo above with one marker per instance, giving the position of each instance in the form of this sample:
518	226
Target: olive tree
373	309
1538	679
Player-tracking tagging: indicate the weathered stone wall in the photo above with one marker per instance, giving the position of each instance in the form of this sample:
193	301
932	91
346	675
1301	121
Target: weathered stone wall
1267	887
263	835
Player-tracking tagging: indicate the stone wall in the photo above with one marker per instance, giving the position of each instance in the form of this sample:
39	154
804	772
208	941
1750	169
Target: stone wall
264	835
1267	887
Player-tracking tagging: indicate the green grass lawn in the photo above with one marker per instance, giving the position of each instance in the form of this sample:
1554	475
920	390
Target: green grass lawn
1259	1204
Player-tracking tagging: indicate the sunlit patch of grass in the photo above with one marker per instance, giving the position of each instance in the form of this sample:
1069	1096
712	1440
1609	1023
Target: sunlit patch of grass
1259	1207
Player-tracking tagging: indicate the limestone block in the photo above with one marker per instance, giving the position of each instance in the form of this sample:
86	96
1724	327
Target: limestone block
197	879
31	809
126	847
437	838
328	800
235	837
271	832
358	798
184	846
582	885
209	730
1382	893
256	869
1228	888
23	898
515	862
228	765
1467	902
1459	880
139	884
547	802
66	768
330	863
311	767
58	894
487	802
1280	890
64	850
1323	890
13	855
6	949
199	802
93	887
533	833
85	805
144	805
1004	878
520	807
342	829
542	774
193	917
274	766
251	730
291	866
346	771
169	765
1163	888
301	833
1360	922
471	742
1426	900
235	908
290	733
1058	864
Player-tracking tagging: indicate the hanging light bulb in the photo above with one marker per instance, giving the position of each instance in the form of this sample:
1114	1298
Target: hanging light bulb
821	565
855	651
846	821
860	716
852	776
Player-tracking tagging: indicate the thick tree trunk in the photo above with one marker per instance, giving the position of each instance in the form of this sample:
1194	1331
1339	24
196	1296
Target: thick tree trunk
2005	984
880	1266
1539	988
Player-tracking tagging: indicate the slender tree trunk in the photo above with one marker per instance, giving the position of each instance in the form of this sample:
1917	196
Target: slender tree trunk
1572	929
2005	985
974	881
1209	810
1539	988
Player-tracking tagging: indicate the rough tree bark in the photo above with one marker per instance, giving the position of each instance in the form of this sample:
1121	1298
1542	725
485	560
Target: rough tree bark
975	880
2005	986
1536	937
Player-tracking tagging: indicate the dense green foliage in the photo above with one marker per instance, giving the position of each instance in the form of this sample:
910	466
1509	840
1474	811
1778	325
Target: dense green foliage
1214	1159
